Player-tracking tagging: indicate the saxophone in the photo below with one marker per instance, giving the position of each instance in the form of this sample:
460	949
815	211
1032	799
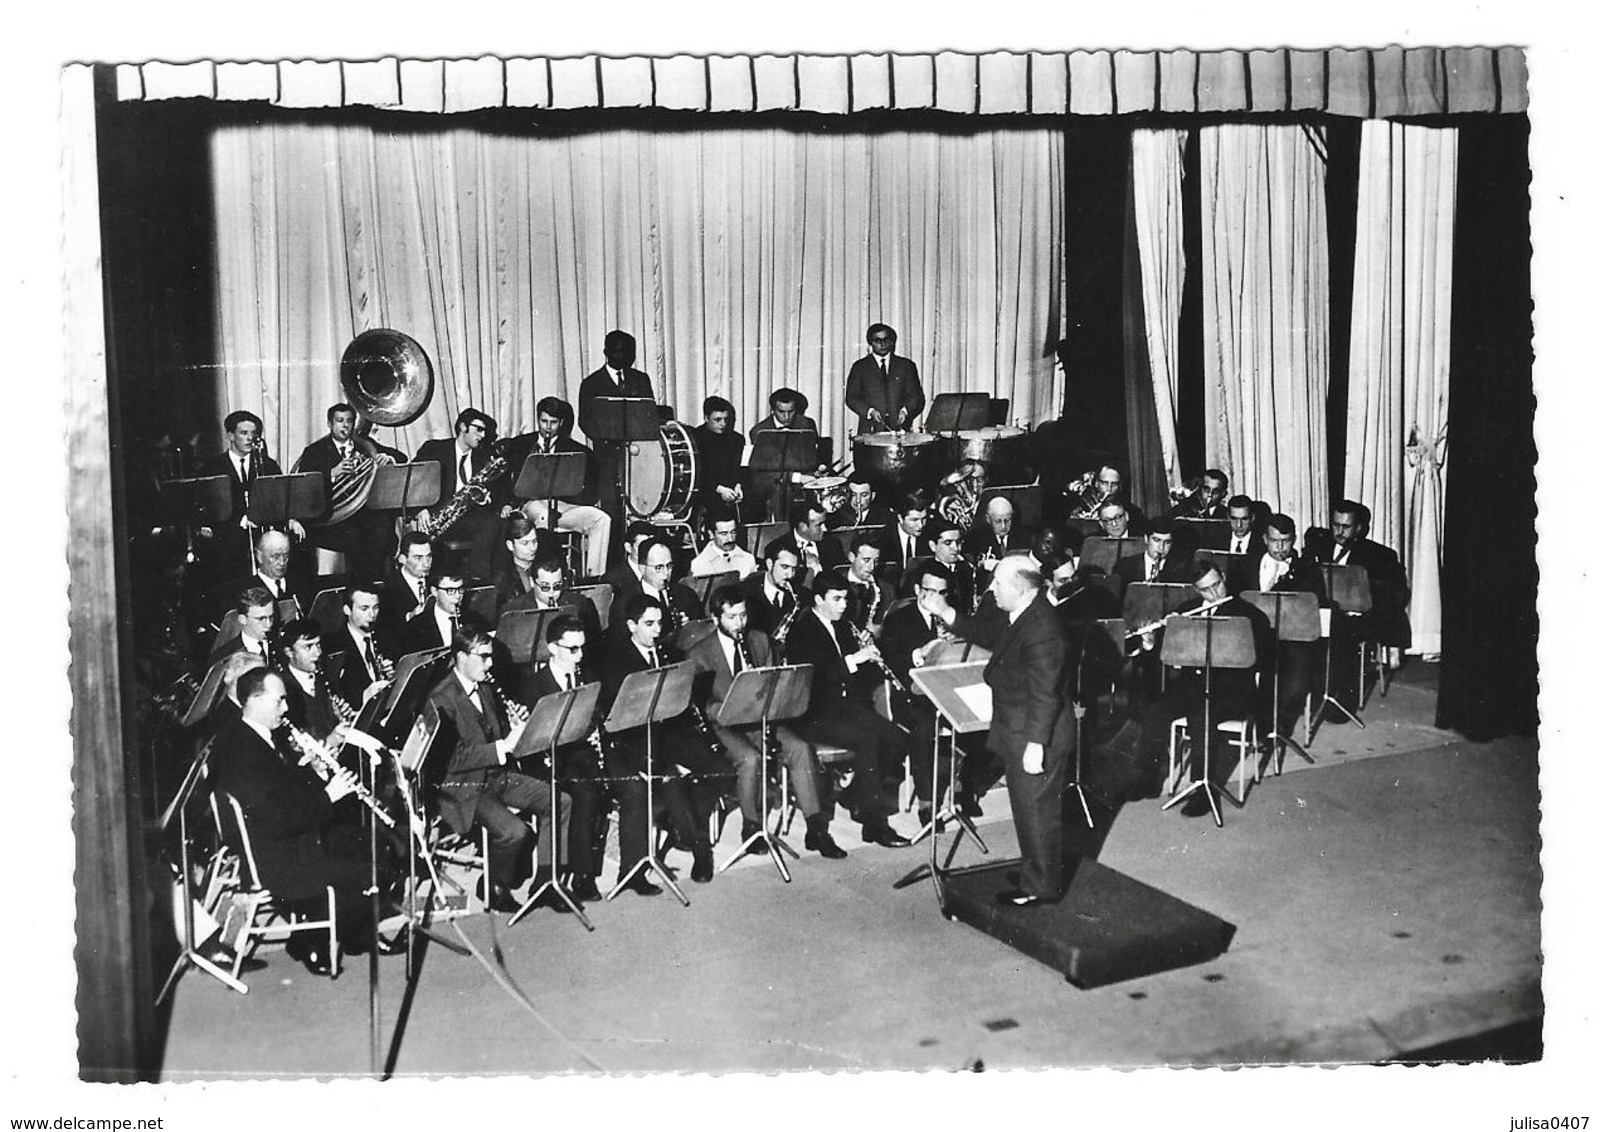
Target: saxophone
310	749
473	493
780	635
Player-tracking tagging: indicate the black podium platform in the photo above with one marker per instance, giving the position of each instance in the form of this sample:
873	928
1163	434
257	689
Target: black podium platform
1108	928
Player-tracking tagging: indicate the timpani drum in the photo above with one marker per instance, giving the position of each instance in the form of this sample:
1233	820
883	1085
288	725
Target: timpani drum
1002	448
661	476
899	461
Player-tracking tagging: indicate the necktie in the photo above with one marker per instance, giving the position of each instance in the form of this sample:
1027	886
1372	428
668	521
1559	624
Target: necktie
463	470
883	364
654	662
372	661
738	658
569	682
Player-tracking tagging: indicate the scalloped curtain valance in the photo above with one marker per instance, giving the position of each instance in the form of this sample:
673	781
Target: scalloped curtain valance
1387	82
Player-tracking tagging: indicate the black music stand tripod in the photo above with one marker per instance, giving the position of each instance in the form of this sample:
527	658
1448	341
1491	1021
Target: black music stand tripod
624	421
784	451
406	488
953	716
1349	591
274	500
1294	618
766	696
556	720
1207	643
645	699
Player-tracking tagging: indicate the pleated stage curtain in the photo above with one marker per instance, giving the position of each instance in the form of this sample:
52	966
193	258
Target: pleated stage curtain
1158	219
742	260
1400	351
1265	286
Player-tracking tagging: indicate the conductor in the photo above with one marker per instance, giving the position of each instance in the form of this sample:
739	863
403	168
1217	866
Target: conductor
883	389
1032	730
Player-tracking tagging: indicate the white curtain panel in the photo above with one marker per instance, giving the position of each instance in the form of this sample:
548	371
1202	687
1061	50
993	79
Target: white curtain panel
1400	351
741	260
1264	246
1158	222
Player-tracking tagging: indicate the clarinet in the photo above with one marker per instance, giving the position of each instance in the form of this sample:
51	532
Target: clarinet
310	748
516	713
864	639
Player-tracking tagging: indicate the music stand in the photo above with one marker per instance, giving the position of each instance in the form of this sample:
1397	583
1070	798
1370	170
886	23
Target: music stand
1102	641
704	585
644	699
1027	503
1203	534
556	720
952	412
405	487
1294	617
190	955
1349	591
204	501
206	698
764	696
623	420
522	631
413	680
1207	643
550	476
481	601
782	452
1101	553
954	715
274	500
327	609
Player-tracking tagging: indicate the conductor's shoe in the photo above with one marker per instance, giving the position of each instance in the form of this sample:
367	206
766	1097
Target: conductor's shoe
642	887
499	898
821	841
880	832
704	869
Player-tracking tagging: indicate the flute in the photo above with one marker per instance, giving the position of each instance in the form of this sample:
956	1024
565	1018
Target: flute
1159	622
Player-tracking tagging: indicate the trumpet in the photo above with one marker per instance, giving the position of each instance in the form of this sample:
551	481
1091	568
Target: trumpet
317	753
1160	621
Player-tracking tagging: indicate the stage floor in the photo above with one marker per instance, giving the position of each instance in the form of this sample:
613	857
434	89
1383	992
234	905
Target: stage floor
1386	900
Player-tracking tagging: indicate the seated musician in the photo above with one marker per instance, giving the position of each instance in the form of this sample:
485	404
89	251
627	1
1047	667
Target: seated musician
440	617
861	507
1206	501
1090	493
405	591
771	598
311	706
1115	521
577	764
463	459
365	670
257	613
904	542
365	536
1278	568
679	605
994	538
944	540
579	513
959	493
272	553
788	414
479	788
907	634
552	589
1157	563
870	598
1345	543
623	578
226	710
718	658
721	450
840	712
299	846
1243	538
805	537
722	553
513	577
637	645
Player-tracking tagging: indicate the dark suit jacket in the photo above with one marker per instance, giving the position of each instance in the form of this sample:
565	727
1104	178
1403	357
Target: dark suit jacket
635	383
827	550
351	680
720	456
832	682
519	448
421	632
867	387
470	736
577	601
1303	577
713	676
904	631
315	714
396	601
622	580
285	808
1391	590
627	750
1028	675
892	555
980	540
764	615
1131	570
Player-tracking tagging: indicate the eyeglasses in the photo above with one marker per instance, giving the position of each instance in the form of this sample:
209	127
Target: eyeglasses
880	339
450	589
482	655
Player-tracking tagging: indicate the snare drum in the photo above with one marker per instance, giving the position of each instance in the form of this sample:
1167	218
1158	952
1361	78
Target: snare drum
662	476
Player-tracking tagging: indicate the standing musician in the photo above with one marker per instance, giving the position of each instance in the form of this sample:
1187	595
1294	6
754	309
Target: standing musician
638	647
479	788
581	515
805	537
348	464
299	848
907	634
366	671
869	597
840	712
1206	501
1033	729
959	493
1243	538
440	618
577	765
722	553
257	613
721	450
243	461
905	542
720	657
405	592
883	389
944	540
617	378
552	590
772	602
461	460
861	507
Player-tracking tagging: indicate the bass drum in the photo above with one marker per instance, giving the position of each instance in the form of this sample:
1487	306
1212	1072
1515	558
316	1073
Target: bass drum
662	476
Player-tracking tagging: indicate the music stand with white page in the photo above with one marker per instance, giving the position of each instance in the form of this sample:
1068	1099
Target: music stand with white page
766	696
645	699
962	703
556	720
1207	643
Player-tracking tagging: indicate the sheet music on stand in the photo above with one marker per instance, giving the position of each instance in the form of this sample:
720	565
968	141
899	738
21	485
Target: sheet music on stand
522	631
276	499
413	680
206	698
954	412
405	487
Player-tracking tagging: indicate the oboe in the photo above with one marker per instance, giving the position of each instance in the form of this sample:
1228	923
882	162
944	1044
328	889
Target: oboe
310	748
